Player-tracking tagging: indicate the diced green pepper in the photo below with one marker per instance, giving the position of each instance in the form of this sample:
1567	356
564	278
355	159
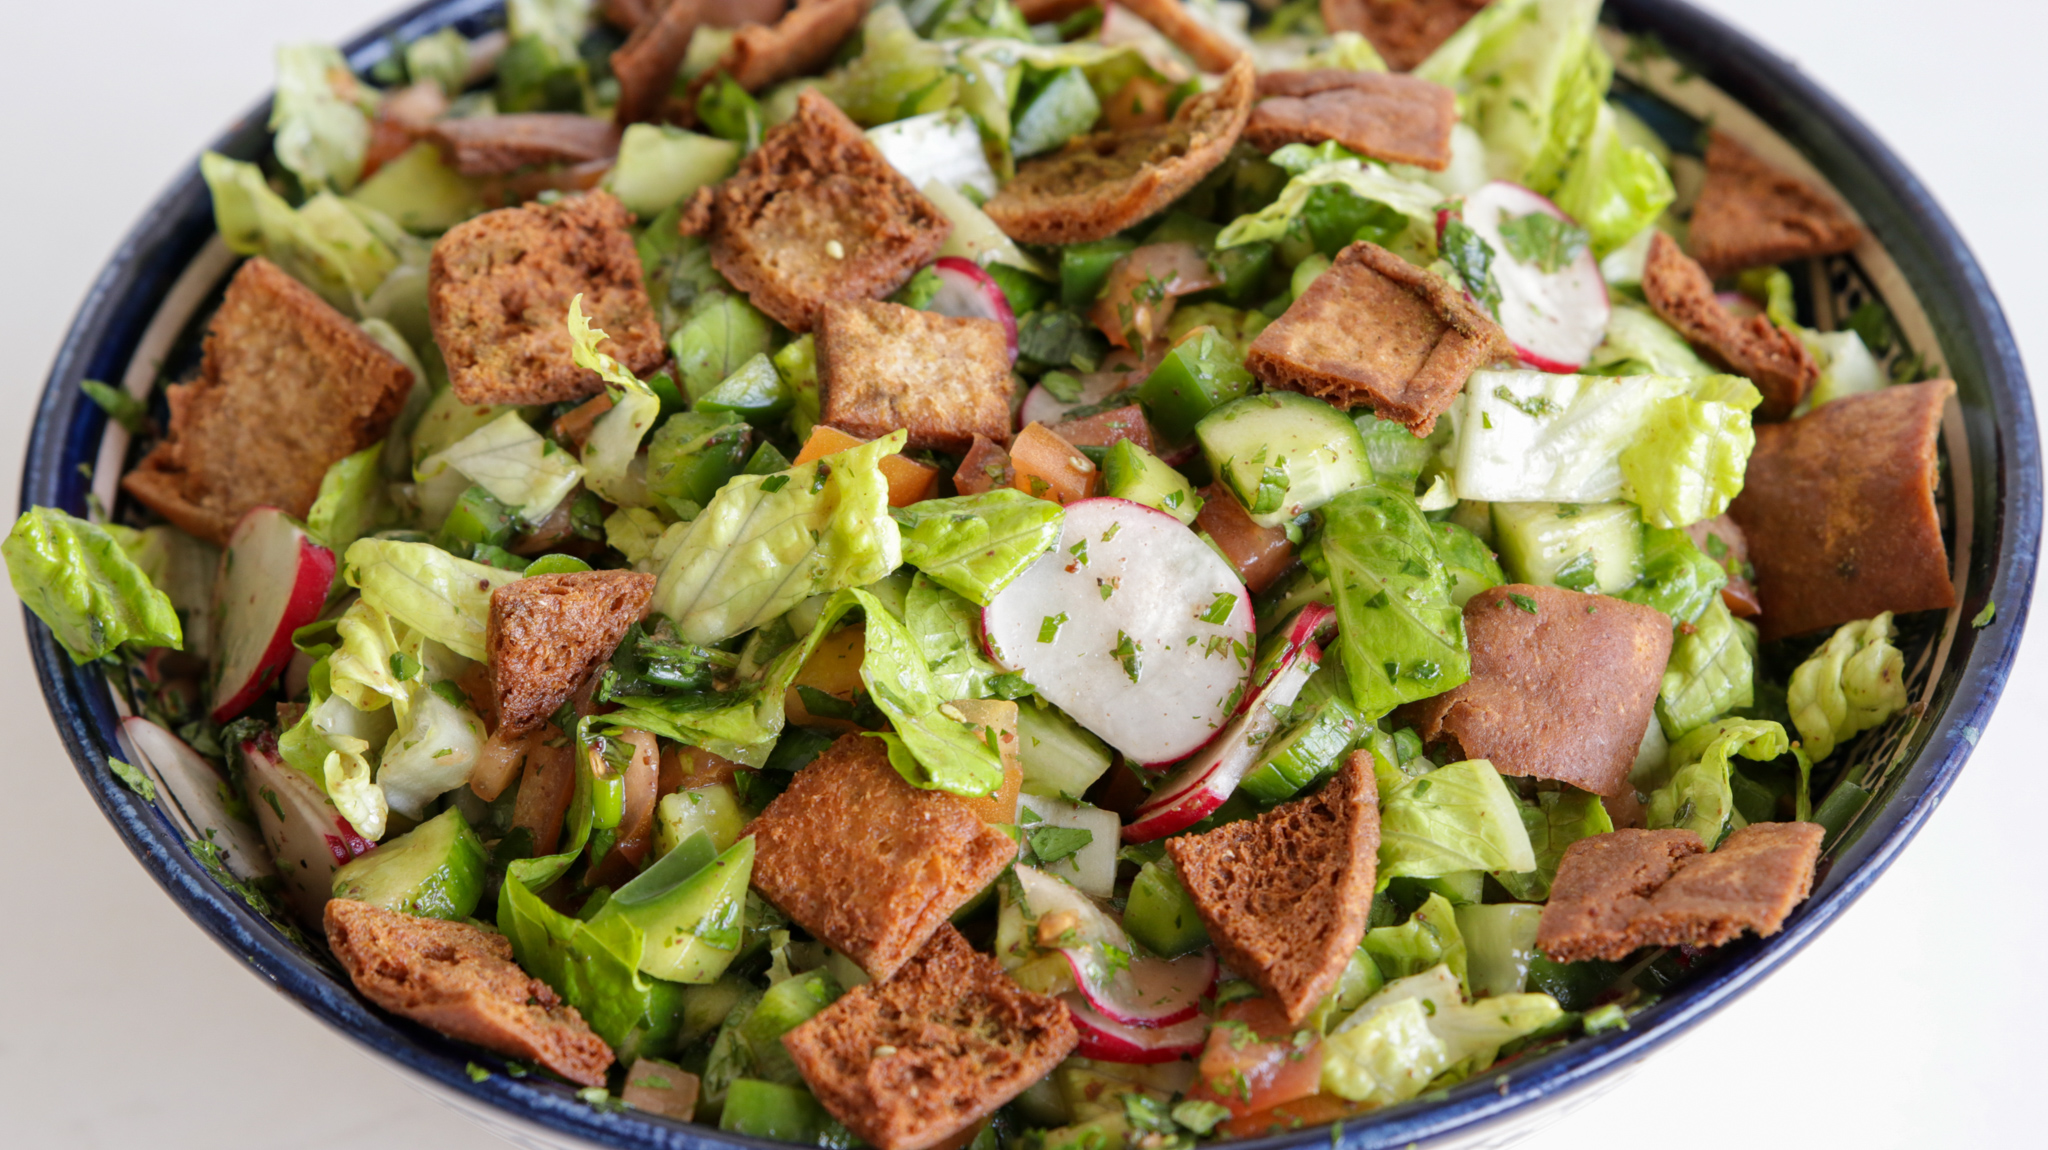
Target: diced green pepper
767	460
1195	378
693	455
477	517
1161	914
782	1113
1084	268
755	391
1244	269
1023	290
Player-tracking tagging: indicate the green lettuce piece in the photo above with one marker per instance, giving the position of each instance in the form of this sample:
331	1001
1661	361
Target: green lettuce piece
180	566
1846	365
1697	794
340	249
933	747
1348	51
331	744
1396	455
898	74
1712	671
1419	1027
976	545
768	542
365	668
1458	817
1688	462
444	598
84	587
320	119
678	269
1529	77
1854	682
351	503
975	19
947	630
1468	560
1429	937
612	451
722	332
633	532
1678	578
594	966
432	751
1405	217
797	363
1639	343
1556	820
1613	188
542	68
442	57
519	466
1400	636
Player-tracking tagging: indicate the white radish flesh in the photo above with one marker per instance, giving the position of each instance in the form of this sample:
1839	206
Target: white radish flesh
273	580
967	292
1112	626
1107	1040
305	833
1155	992
1554	318
1042	406
1093	867
196	786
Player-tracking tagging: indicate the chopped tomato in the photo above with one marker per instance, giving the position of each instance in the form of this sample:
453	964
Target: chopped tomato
1049	467
1255	1060
1260	554
1138	297
986	467
1107	427
1315	1110
909	481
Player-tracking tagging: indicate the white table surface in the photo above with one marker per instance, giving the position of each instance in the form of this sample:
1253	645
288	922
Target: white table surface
1919	1019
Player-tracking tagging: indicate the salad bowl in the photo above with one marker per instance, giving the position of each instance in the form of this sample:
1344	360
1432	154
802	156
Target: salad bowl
1677	69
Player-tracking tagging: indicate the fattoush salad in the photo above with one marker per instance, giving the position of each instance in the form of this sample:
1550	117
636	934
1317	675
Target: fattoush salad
1043	573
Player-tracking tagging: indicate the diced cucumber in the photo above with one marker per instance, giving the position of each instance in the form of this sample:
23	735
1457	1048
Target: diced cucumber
781	1112
1471	563
1133	473
754	390
714	810
435	870
1201	373
1283	453
1161	914
659	165
1063	108
706	1007
786	1005
1245	269
1304	753
690	906
1060	758
1500	939
693	453
1091	868
1084	268
1583	546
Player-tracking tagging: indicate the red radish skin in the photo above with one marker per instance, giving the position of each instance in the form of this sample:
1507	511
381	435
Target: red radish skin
1555	319
273	580
1154	992
967	292
1107	1040
195	785
307	836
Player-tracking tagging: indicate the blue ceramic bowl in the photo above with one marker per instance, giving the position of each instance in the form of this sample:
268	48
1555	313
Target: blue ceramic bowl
1680	68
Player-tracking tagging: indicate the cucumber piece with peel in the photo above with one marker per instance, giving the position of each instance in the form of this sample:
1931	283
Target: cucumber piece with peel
1283	453
435	870
689	904
1161	914
1305	752
1131	472
1582	546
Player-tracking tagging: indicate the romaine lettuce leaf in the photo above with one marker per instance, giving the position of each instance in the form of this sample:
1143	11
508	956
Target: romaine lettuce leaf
1854	682
1416	1028
1408	207
722	332
1468	560
632	532
433	749
180	566
444	598
1430	937
320	118
1639	343
1556	820
947	630
933	747
1687	462
976	545
1612	188
1697	795
1529	78
521	468
1678	578
351	503
332	744
1847	367
595	967
1400	636
1712	670
1458	817
768	542
611	453
84	587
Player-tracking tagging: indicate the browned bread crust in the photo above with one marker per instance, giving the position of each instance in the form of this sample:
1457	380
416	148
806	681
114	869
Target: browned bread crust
1050	11
1399	119
548	633
815	185
1376	331
498	292
461	980
1285	895
501	145
646	63
287	387
868	863
1562	693
1838	508
1628	889
1757	349
1210	51
1404	32
1098	185
882	366
907	1062
796	45
1750	214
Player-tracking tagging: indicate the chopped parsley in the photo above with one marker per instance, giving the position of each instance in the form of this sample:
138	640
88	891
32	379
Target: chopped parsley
1129	652
1049	627
1220	608
1080	552
818	480
404	666
136	780
1051	844
1522	601
1111	533
1472	258
1985	617
1535	407
1109	586
774	483
1543	239
477	1073
1716	548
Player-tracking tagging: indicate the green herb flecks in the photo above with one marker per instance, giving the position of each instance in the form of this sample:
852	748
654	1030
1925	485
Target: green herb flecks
1472	258
1049	627
1220	608
1535	407
1129	652
1051	844
1543	239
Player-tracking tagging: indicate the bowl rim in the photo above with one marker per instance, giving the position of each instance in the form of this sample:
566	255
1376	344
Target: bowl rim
1941	269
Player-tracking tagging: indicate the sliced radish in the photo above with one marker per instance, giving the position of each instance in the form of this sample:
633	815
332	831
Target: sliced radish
1042	406
1112	626
1555	318
305	833
1201	784
201	794
967	292
1093	867
1312	623
273	580
1154	992
1107	1040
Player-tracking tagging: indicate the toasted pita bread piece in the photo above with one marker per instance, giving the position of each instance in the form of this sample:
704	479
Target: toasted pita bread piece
646	63
1209	49
882	366
1756	349
460	980
1750	214
868	863
1838	510
910	1061
815	214
1399	119
287	387
1376	331
501	145
1603	882
548	633
1098	185
1285	895
1404	32
1563	685
796	45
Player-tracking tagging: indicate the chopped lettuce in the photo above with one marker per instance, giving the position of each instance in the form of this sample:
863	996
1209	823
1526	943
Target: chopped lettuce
1400	636
1458	817
611	464
444	598
934	746
320	117
1697	794
1687	462
1556	820
1331	201
341	249
1712	670
1430	937
1529	77
1846	365
721	332
943	146
1678	578
976	545
595	967
1419	1027
632	532
84	587
351	503
768	542
1612	188
1639	343
432	751
1854	682
947	630
521	468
